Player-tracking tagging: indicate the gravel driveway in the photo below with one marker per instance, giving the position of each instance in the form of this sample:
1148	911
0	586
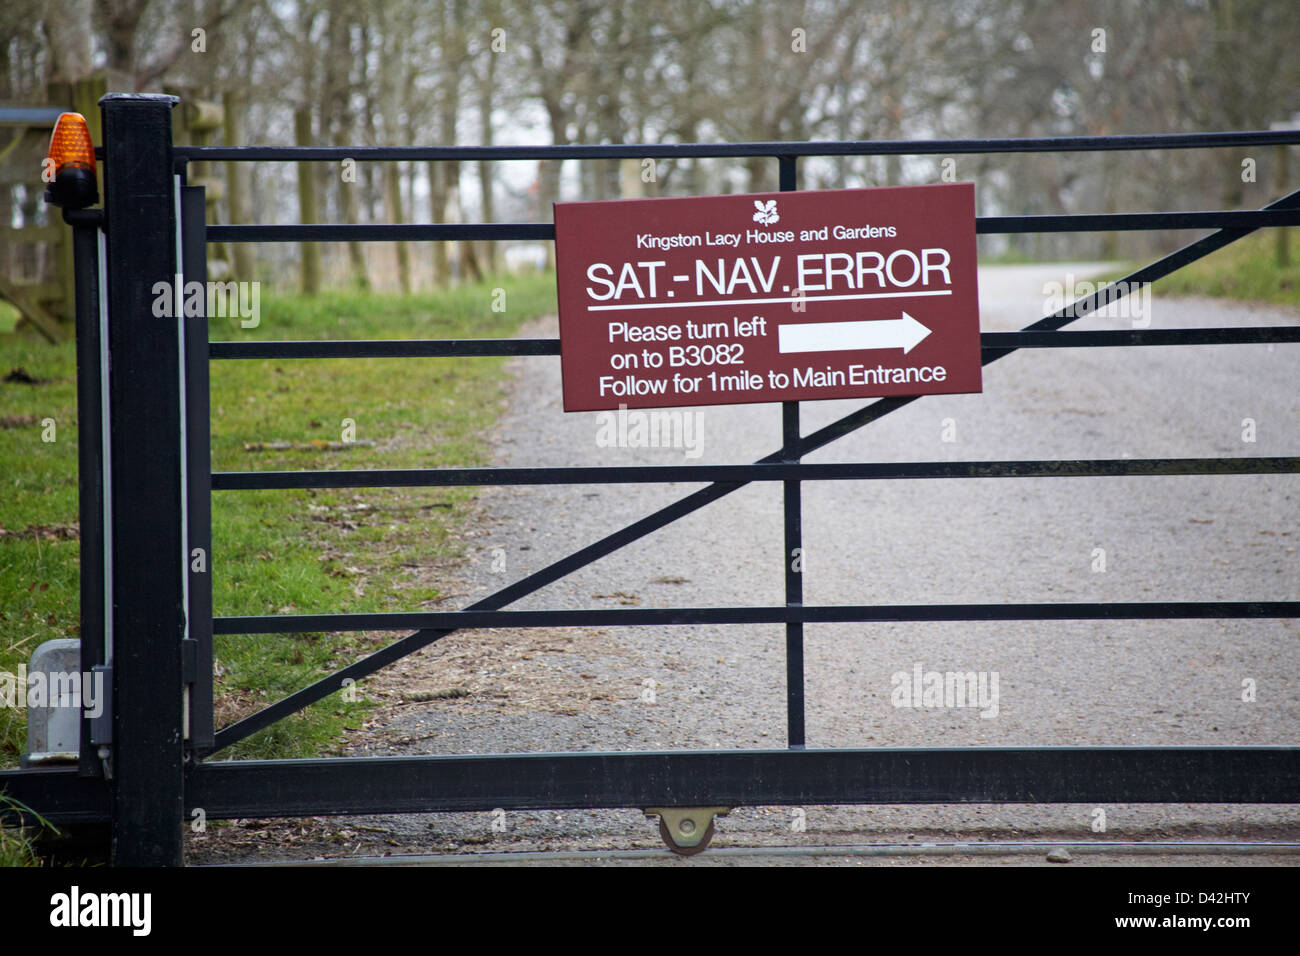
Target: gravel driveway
894	542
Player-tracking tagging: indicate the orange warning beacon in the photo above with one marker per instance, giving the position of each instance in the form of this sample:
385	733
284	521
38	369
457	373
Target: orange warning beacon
69	166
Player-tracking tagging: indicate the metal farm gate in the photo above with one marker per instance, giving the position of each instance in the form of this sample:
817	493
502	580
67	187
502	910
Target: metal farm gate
146	487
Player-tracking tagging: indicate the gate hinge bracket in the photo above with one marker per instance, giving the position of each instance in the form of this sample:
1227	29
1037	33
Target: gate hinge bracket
189	660
101	725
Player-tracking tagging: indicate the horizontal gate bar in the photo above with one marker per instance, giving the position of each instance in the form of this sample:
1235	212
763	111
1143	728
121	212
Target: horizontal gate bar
1097	775
59	795
29	116
442	348
509	231
830	614
229	790
1112	338
905	147
383	348
769	471
383	232
362	785
1137	221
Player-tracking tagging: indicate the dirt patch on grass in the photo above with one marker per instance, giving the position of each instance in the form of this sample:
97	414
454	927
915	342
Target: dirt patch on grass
231	706
20	376
516	669
45	532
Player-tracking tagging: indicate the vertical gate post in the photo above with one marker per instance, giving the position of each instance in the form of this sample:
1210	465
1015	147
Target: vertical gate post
793	508
198	476
90	458
145	486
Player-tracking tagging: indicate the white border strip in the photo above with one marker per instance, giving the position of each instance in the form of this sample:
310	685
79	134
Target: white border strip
788	298
178	295
106	442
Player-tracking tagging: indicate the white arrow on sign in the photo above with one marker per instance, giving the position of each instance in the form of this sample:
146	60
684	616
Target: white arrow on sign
905	333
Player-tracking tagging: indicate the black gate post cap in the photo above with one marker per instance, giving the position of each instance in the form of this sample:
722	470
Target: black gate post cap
143	98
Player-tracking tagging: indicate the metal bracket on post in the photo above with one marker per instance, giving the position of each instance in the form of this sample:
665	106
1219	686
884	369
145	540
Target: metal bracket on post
101	727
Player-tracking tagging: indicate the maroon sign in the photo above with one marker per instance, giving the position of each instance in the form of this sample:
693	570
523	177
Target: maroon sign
768	297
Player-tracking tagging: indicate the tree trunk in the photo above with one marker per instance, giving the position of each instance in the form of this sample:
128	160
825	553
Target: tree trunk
487	249
438	213
356	254
393	208
121	24
338	122
67	30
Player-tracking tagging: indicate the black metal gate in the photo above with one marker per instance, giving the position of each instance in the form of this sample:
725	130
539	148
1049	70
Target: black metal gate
146	486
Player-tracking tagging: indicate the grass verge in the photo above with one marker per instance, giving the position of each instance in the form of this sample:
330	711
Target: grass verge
315	551
1246	270
16	842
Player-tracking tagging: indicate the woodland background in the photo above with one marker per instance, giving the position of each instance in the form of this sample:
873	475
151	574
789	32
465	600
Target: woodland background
339	72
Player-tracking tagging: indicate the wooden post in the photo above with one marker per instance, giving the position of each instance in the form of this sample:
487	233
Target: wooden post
311	265
236	181
629	179
201	119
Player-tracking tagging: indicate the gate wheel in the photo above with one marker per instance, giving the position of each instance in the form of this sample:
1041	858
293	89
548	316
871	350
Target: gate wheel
686	830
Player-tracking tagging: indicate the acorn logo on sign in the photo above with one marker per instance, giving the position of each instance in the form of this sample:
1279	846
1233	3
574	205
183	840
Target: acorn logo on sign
766	212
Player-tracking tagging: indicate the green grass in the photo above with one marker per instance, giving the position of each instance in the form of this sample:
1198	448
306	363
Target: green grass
16	842
350	550
1246	270
1012	257
8	318
38	491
